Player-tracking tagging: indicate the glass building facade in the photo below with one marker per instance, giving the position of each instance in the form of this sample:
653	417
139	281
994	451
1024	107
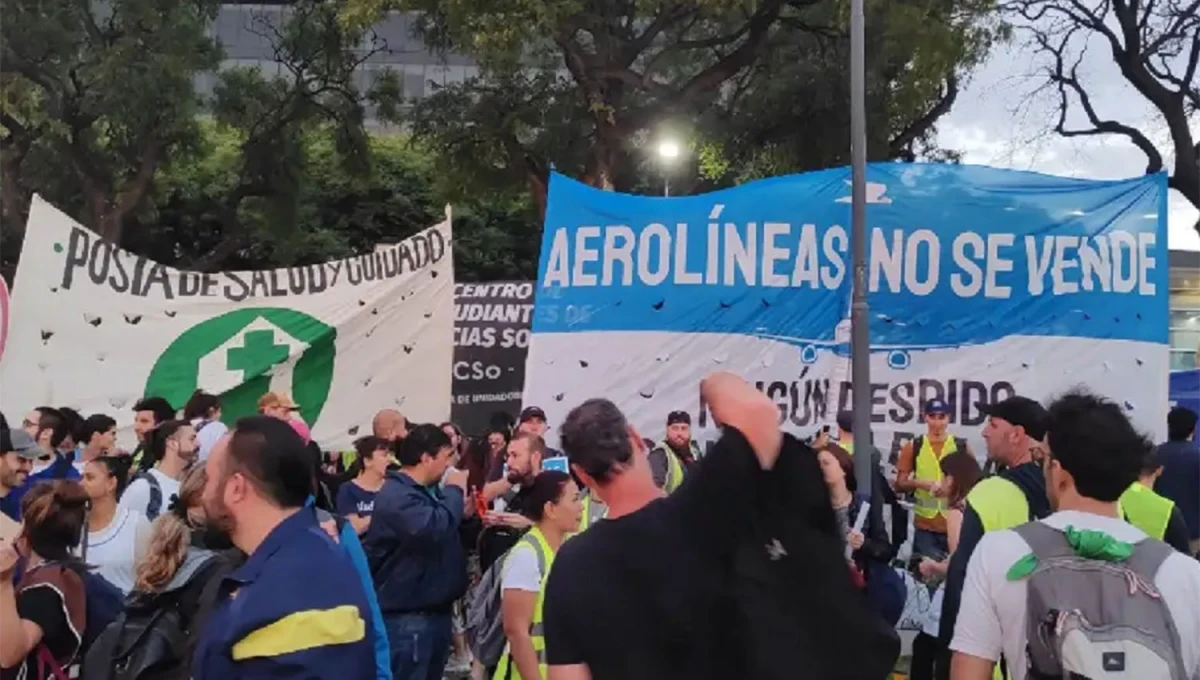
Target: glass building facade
1185	309
245	31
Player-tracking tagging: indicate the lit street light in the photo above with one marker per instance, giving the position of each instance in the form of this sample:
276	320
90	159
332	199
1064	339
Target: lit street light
668	151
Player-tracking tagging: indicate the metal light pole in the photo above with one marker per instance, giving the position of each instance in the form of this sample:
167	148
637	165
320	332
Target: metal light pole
860	333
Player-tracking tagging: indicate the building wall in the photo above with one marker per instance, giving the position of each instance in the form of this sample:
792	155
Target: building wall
1185	309
245	30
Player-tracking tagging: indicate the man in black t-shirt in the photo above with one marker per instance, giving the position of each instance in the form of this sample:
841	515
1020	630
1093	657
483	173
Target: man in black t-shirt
507	524
645	592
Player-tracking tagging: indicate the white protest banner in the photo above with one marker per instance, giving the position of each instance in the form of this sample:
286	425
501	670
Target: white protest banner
983	283
97	328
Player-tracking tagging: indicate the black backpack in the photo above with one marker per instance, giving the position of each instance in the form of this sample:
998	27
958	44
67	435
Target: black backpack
151	639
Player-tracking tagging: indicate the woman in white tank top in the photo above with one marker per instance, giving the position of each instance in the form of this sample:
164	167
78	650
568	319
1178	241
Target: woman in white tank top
116	537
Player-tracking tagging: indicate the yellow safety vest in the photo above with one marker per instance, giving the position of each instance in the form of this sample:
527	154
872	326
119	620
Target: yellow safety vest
1145	509
532	540
848	447
674	466
929	468
348	459
593	511
1000	505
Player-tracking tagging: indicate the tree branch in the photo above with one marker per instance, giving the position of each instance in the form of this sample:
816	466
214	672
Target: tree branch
1066	81
903	140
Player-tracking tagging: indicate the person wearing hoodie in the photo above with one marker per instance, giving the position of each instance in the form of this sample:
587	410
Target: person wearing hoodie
182	566
1014	432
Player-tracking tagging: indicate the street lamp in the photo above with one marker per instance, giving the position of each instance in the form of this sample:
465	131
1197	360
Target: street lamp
668	151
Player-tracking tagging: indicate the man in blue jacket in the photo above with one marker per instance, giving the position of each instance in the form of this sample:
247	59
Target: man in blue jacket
1180	479
415	554
295	609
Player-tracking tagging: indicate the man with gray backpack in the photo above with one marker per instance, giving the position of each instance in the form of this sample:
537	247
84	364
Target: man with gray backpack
1081	594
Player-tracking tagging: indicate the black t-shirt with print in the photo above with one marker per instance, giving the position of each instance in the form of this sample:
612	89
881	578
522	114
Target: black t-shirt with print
43	605
647	595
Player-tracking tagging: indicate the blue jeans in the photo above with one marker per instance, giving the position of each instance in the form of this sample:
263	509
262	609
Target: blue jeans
420	645
930	544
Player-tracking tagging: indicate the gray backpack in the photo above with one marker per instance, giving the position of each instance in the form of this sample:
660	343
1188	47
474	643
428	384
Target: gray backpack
1089	619
485	624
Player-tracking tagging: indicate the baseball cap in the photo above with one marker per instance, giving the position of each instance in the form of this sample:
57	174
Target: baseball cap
678	417
1021	411
23	445
936	406
274	399
531	412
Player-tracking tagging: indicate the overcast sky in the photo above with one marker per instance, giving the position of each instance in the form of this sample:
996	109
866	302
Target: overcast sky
996	122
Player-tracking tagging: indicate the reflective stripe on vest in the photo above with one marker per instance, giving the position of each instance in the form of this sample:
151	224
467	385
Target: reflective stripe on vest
593	511
674	466
1146	510
928	467
507	669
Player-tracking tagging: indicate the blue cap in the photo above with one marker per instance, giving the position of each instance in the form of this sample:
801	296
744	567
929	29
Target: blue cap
936	406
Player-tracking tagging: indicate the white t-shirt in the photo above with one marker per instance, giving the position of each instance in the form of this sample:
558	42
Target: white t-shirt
115	549
207	436
137	494
521	571
991	618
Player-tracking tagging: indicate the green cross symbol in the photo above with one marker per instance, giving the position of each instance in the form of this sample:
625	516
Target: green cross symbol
258	353
176	373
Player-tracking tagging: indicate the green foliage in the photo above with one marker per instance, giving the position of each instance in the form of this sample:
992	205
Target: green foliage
793	112
86	107
104	95
753	87
337	213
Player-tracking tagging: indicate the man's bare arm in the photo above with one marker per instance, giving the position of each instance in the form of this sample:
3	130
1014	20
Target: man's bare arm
735	402
493	490
967	667
577	671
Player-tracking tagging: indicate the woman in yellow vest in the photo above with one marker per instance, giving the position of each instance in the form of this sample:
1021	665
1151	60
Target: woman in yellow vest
552	502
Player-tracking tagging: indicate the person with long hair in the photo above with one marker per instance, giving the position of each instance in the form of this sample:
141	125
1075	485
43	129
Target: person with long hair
960	473
356	498
497	451
475	460
870	549
457	441
116	537
42	619
837	468
553	505
185	559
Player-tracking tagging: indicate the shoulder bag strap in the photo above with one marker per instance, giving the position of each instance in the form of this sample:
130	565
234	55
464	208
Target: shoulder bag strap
47	662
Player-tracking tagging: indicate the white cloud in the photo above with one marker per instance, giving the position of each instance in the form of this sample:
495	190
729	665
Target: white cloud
996	121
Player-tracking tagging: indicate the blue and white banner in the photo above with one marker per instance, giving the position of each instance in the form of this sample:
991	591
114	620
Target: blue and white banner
983	283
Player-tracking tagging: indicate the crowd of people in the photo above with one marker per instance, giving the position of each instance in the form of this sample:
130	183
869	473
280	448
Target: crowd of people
240	549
